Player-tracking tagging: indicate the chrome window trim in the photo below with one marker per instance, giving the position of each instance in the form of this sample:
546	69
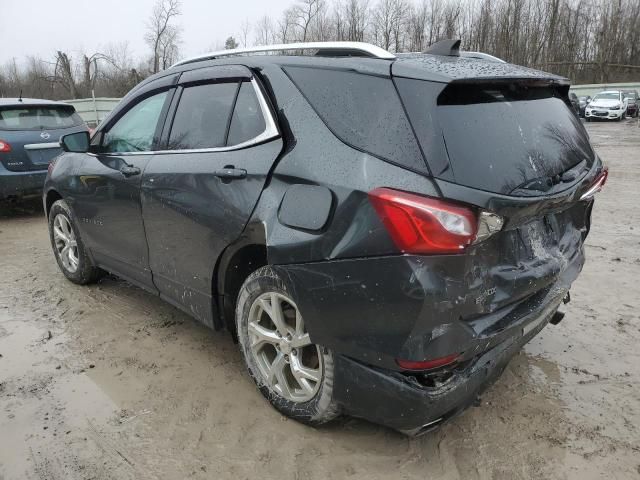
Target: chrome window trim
269	133
369	49
41	146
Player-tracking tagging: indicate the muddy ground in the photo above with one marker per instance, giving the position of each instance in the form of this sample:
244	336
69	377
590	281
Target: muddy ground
108	381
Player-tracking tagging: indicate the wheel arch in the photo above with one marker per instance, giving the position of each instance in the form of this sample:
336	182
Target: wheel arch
52	197
236	263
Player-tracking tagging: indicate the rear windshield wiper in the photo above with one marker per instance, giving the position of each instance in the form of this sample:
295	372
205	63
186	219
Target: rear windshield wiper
546	183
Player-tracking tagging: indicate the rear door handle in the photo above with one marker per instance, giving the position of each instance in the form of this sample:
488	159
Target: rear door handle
231	173
129	170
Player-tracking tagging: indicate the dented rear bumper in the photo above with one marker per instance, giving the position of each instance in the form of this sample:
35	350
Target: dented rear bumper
404	402
373	311
415	308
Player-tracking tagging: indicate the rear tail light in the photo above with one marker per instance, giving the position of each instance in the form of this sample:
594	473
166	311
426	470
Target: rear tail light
429	364
424	225
597	184
51	165
4	146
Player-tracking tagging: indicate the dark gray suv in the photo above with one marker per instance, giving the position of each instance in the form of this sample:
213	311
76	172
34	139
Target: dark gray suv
30	130
380	233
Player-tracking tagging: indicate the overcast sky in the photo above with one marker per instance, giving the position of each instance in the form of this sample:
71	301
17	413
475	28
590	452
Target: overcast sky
39	27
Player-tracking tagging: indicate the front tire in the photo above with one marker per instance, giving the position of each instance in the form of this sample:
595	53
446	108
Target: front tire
70	252
295	375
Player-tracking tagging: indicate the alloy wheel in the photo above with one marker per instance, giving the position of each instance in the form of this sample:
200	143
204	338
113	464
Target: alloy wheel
288	362
65	243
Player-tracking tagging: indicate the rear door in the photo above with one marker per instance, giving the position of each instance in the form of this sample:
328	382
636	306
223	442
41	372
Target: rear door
33	132
220	142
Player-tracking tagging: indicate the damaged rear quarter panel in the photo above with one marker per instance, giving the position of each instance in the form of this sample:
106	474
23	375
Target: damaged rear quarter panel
363	299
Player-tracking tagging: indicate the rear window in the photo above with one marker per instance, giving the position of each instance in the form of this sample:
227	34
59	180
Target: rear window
363	111
505	137
38	117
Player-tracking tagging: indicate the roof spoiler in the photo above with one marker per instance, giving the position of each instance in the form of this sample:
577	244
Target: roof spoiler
448	47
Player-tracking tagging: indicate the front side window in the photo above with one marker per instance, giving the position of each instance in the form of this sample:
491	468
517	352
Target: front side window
135	130
202	117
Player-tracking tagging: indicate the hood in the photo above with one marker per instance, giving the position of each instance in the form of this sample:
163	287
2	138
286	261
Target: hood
604	103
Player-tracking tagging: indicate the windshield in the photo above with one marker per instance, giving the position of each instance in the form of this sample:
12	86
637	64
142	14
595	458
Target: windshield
501	138
38	117
607	96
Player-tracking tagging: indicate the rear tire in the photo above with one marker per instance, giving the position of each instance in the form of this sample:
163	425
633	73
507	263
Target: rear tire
295	375
70	252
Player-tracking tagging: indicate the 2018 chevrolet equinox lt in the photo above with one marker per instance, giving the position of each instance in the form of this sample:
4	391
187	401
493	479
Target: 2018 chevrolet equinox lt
382	233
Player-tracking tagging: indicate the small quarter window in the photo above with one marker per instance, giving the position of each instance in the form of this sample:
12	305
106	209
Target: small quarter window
203	116
247	121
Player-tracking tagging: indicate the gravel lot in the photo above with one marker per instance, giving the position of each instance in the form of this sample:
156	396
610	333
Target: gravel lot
108	381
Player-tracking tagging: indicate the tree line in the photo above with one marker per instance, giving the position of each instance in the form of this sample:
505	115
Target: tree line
588	41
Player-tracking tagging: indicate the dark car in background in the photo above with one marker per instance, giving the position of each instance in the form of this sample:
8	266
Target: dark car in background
30	130
350	216
575	103
583	102
632	108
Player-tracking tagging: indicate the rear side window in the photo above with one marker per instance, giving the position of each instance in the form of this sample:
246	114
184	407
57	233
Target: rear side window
38	117
364	111
202	116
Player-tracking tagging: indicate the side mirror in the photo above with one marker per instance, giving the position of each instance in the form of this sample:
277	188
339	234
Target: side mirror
75	142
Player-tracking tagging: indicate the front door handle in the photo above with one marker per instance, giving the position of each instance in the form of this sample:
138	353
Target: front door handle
129	170
231	173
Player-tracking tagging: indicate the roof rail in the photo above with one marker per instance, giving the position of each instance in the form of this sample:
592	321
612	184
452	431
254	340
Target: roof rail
481	55
333	48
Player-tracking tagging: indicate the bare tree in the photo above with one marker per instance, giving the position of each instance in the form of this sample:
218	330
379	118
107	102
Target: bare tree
264	31
245	29
388	20
303	13
586	40
63	73
162	36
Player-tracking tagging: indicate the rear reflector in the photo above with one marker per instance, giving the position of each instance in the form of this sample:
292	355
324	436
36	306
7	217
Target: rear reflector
428	364
597	184
4	147
424	225
52	165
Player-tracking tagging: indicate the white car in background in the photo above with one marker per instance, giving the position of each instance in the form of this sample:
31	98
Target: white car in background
610	105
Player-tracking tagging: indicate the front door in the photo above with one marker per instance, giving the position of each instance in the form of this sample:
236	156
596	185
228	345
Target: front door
108	191
198	195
